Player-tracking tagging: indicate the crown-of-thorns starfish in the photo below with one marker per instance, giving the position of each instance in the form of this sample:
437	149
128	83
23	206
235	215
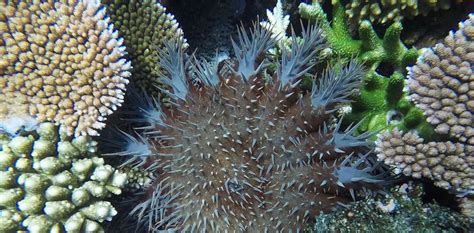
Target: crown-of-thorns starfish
246	151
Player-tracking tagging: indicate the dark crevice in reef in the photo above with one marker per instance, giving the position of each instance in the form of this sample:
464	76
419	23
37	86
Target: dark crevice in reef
426	31
209	24
439	195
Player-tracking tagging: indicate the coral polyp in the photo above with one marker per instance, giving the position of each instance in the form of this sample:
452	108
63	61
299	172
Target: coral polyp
244	150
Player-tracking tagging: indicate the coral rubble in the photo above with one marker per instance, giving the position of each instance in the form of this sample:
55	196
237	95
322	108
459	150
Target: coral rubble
50	182
401	210
60	61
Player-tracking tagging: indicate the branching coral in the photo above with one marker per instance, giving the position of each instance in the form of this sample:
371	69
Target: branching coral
52	183
382	98
441	84
448	164
382	104
387	11
60	61
277	22
401	210
145	26
370	49
244	152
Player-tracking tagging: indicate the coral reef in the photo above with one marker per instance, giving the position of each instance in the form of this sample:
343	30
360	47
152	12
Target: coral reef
441	85
242	151
401	210
60	61
51	182
268	128
388	11
382	101
145	26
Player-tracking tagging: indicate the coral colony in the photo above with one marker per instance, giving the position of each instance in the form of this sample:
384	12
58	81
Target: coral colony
61	62
239	143
441	85
145	26
52	182
394	10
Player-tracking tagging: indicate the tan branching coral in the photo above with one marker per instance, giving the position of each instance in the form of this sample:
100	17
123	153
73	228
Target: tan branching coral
450	165
60	61
145	26
388	11
442	85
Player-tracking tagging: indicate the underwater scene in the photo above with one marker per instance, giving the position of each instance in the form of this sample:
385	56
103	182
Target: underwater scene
237	116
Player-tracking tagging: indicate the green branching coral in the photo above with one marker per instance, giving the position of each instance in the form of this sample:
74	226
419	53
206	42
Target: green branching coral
54	183
401	210
387	11
145	26
382	98
382	103
370	48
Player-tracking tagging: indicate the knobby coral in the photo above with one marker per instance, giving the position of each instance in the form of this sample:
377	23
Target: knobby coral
53	183
441	84
145	26
243	151
60	61
388	11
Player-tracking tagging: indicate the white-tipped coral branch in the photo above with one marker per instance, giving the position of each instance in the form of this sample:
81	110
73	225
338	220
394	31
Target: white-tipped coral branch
60	61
